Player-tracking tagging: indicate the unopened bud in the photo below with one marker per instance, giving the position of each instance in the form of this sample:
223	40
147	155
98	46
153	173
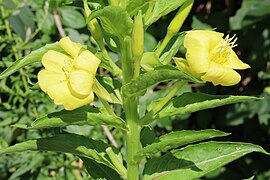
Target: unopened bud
138	36
93	24
180	17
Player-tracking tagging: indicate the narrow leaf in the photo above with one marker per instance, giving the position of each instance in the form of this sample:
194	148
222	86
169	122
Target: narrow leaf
172	49
162	8
194	161
33	57
192	102
66	143
114	20
176	139
82	116
161	73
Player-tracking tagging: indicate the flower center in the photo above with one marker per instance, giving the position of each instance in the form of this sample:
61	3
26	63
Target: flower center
68	67
220	54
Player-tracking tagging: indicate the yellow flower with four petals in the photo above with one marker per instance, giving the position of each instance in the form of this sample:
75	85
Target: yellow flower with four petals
68	79
211	58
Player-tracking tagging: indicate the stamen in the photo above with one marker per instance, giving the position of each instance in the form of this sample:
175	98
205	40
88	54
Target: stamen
223	50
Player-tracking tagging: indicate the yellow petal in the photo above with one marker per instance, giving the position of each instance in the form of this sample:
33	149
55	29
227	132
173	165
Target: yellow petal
61	95
55	61
81	83
218	74
182	65
70	47
199	44
235	63
48	78
87	61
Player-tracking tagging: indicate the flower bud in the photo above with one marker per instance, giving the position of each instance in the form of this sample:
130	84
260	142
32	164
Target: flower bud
138	36
180	17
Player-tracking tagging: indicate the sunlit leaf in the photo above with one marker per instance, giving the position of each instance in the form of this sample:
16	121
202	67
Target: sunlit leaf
82	116
161	73
66	143
192	102
195	161
33	57
176	139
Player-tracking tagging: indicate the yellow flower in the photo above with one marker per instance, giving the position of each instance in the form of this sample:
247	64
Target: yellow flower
68	80
211	58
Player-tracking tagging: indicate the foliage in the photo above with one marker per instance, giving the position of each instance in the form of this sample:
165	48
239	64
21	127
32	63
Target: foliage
30	121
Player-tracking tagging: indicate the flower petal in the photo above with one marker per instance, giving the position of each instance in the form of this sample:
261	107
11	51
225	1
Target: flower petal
61	95
218	74
55	61
70	47
235	63
48	78
81	83
199	44
182	65
87	61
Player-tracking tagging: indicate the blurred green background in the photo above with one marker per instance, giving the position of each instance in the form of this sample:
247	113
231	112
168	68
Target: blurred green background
26	25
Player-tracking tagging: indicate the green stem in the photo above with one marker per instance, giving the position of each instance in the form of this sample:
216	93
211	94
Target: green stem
149	117
137	66
107	107
164	43
119	166
133	137
130	106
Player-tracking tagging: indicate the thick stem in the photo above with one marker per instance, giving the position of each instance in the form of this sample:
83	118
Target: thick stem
133	138
130	107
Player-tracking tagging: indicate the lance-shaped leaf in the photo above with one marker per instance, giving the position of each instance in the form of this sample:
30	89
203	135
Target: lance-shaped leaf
176	139
195	161
114	20
192	102
162	8
66	143
159	74
82	116
34	56
172	49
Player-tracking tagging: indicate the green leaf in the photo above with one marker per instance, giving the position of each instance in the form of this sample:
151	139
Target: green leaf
99	171
114	20
250	12
66	143
33	57
162	8
195	161
72	18
82	116
159	74
176	139
192	102
134	6
172	49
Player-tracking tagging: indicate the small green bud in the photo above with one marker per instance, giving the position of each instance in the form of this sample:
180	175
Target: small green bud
180	17
138	36
93	24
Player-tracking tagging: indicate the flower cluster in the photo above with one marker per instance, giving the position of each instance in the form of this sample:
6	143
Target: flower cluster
211	58
68	79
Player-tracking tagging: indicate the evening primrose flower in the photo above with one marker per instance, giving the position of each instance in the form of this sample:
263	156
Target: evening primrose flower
68	79
210	58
